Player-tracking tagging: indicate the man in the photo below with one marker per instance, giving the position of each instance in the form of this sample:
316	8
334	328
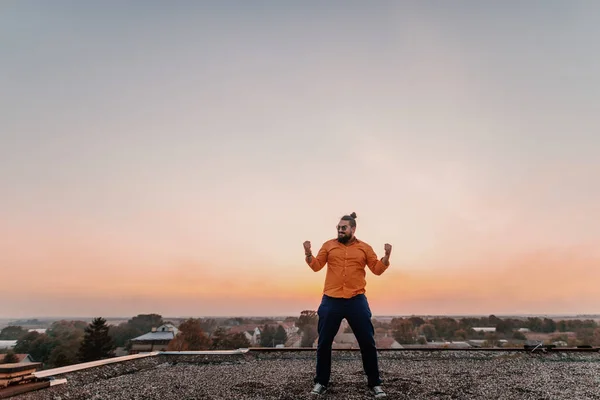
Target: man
344	297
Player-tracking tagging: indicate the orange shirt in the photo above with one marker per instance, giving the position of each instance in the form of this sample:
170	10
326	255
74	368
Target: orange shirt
346	267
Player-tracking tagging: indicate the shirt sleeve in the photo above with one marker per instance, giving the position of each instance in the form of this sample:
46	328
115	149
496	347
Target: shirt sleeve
375	264
318	262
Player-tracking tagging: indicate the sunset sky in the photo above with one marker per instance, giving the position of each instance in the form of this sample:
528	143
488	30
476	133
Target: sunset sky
172	157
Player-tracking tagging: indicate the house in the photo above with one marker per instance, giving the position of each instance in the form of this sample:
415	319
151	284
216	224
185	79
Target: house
22	358
251	332
156	340
294	340
290	327
485	329
345	341
387	342
476	342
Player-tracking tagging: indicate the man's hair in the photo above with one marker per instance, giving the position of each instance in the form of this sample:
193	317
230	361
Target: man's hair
351	218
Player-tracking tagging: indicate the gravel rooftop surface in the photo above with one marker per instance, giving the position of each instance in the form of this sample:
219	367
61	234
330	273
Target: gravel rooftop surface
288	375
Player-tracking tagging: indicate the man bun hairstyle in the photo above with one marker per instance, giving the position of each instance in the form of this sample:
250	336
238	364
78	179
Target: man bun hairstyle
351	218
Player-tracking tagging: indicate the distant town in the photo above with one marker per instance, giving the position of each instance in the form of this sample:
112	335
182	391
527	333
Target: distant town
57	342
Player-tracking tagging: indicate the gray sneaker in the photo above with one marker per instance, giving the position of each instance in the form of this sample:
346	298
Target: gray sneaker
378	392
318	389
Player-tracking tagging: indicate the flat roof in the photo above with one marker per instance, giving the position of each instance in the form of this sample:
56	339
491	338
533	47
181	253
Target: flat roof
288	374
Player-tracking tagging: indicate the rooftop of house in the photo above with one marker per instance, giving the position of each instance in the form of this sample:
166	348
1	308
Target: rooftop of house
287	374
150	336
20	358
163	332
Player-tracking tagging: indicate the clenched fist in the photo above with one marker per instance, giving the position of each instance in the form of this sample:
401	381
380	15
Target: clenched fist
307	247
388	249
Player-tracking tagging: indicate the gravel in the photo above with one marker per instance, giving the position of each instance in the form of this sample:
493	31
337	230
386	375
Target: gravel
288	375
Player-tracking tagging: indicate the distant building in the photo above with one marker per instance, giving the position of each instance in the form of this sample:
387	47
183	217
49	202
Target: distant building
485	329
476	342
7	344
251	332
156	340
22	358
387	342
290	327
294	340
345	341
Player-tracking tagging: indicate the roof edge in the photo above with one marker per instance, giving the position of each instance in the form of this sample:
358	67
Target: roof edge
76	367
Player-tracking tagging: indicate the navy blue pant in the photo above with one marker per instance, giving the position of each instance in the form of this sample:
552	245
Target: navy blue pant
358	314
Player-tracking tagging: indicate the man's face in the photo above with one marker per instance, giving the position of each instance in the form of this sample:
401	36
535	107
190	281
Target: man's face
345	232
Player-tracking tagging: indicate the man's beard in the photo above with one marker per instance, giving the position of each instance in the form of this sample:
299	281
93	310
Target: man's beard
344	239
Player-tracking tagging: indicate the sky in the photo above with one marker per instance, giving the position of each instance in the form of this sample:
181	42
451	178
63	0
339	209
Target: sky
172	157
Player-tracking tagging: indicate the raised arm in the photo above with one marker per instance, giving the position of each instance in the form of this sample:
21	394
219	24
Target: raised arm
318	262
377	266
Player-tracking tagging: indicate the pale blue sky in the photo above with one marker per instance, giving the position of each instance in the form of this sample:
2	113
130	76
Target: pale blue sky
167	131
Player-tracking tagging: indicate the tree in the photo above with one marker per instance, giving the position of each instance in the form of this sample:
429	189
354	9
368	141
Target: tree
404	332
136	326
208	325
493	320
460	334
517	335
218	339
307	318
190	337
534	324
585	336
267	336
491	340
548	325
307	327
10	357
144	323
280	336
562	326
97	344
221	340
445	327
12	332
417	321
37	345
309	335
122	333
504	326
66	337
381	324
178	343
62	355
428	330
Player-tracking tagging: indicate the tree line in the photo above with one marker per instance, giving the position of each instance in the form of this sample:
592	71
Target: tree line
70	342
419	330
